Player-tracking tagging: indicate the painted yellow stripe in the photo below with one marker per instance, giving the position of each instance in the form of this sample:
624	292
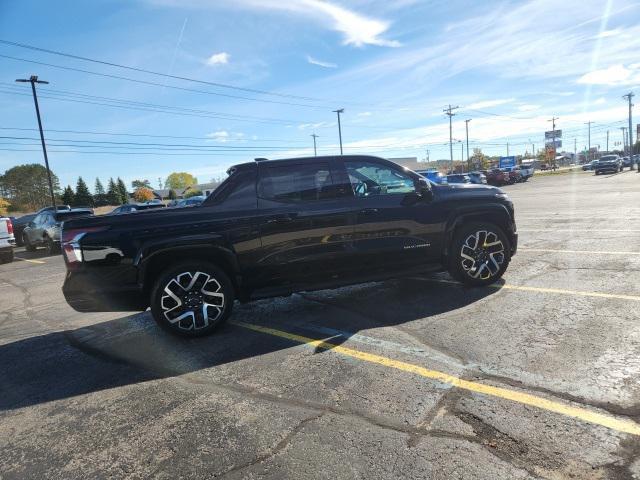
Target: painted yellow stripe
30	261
569	229
581	252
626	426
560	291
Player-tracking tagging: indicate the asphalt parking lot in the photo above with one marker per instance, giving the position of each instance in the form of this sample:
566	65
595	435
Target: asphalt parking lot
537	377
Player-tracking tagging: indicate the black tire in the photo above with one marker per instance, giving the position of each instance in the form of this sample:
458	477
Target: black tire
27	244
52	247
479	265
597	172
195	322
7	257
19	241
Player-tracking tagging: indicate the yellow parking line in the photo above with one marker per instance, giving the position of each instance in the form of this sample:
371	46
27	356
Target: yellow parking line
579	293
626	426
587	252
28	260
570	229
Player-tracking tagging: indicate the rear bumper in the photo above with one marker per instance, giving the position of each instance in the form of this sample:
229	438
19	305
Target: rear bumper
84	294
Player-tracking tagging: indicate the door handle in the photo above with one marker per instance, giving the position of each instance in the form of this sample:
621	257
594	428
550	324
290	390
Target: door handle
281	218
368	211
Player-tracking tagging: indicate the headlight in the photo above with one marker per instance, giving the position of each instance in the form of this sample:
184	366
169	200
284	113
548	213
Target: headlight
502	196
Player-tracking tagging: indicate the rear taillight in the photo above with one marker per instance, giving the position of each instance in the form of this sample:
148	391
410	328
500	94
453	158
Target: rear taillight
9	227
70	240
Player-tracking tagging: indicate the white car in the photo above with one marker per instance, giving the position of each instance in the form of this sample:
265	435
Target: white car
7	240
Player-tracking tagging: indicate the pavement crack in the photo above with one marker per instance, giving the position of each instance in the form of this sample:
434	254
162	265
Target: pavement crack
281	445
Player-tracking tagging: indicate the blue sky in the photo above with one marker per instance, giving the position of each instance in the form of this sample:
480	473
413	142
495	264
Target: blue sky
393	66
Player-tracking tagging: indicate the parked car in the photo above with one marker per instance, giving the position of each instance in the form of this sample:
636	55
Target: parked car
56	208
608	163
513	173
134	207
7	240
626	162
497	177
274	227
526	170
191	201
44	229
478	178
433	175
590	165
19	225
544	166
458	178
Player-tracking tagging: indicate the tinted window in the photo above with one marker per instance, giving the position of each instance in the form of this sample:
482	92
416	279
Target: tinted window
238	192
297	183
371	178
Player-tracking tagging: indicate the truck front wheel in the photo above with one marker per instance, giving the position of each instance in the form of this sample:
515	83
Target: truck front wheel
480	254
192	299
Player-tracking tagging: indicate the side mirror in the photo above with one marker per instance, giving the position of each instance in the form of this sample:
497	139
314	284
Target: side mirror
423	189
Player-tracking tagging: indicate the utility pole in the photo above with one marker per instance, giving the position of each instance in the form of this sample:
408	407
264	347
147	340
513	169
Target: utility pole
624	140
629	96
339	111
33	80
315	151
575	149
589	141
466	125
507	149
553	134
462	156
449	112
428	159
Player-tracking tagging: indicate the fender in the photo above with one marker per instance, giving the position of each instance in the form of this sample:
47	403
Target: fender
464	213
214	243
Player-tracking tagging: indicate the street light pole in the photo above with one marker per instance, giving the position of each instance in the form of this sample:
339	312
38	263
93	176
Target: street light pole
589	151
466	122
629	96
339	111
33	80
315	151
449	112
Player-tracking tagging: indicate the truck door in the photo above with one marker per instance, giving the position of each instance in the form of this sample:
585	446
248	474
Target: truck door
305	224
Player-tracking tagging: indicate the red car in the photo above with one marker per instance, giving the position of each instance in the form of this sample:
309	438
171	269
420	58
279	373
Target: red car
497	177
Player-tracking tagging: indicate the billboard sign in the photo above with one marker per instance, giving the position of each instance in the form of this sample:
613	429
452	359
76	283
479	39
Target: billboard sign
550	144
507	162
550	135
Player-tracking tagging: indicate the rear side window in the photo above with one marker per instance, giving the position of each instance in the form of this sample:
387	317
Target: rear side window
303	182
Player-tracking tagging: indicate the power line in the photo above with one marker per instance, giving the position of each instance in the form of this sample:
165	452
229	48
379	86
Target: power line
156	84
165	75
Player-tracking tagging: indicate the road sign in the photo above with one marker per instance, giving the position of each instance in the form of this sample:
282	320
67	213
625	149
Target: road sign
507	162
550	144
550	134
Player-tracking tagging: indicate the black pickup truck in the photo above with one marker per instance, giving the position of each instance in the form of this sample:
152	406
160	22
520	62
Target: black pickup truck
274	227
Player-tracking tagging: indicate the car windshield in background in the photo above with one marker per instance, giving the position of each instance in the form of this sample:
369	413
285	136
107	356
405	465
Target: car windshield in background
609	158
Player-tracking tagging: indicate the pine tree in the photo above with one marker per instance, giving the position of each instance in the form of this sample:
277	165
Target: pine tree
113	195
122	191
83	195
68	197
99	195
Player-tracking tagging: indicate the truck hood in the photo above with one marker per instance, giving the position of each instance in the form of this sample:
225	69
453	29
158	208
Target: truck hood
466	191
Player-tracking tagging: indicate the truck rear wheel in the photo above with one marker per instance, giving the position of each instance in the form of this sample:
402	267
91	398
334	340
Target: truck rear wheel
480	254
192	299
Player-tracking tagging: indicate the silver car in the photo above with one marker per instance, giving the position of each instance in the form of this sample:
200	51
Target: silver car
44	230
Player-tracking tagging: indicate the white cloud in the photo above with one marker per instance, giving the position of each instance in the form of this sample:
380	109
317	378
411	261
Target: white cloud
304	126
613	75
609	33
491	103
528	108
600	101
357	29
224	136
320	63
218	59
364	114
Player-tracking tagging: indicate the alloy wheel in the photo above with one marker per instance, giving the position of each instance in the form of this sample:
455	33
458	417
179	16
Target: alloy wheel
482	255
192	301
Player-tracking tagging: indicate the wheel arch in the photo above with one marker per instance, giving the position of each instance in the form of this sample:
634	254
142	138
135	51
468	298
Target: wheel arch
155	262
496	214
